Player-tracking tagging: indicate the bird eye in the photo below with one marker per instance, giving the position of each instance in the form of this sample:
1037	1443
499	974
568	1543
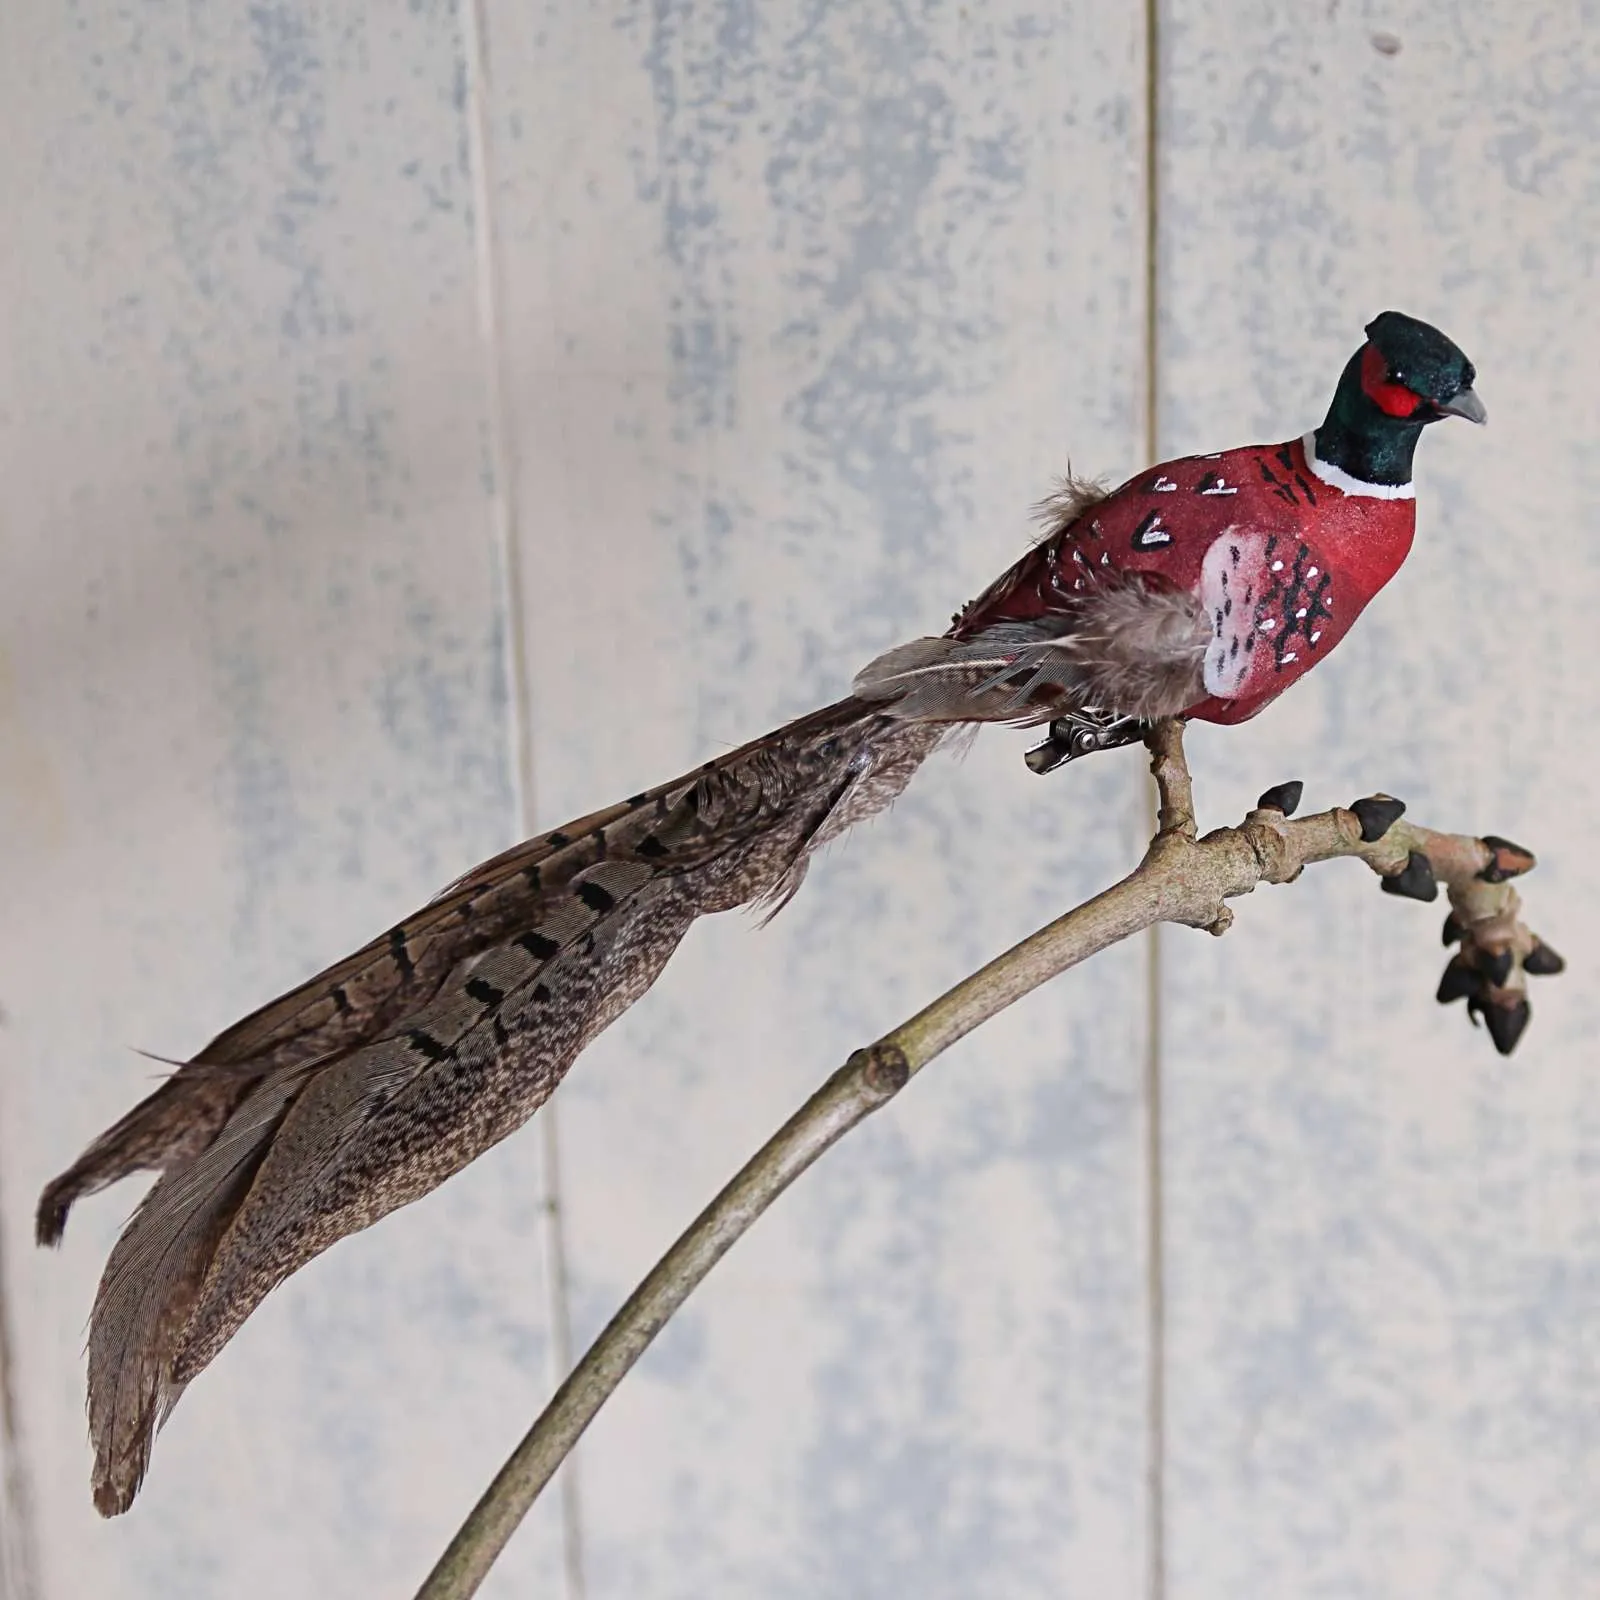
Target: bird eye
1397	375
1469	376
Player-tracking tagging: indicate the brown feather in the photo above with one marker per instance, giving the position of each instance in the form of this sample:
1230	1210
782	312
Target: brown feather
1139	650
1068	501
1123	647
372	1083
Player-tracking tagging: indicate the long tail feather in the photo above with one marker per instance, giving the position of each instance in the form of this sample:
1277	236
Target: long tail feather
333	1011
372	1083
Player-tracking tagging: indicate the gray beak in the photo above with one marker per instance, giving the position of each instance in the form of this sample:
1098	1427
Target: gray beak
1466	404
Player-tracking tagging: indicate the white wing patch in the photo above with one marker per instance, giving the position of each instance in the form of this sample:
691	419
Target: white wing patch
1230	591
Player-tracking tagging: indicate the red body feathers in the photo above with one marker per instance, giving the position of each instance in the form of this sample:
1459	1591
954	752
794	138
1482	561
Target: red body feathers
1282	555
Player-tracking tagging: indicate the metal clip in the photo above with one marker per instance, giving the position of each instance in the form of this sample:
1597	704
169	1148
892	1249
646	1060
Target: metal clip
1080	732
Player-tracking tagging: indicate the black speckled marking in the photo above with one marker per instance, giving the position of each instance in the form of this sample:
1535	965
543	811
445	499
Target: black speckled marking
1279	487
540	946
426	1045
597	899
484	992
1150	535
400	952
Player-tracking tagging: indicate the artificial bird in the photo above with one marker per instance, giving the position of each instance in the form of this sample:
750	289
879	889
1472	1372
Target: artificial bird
1203	587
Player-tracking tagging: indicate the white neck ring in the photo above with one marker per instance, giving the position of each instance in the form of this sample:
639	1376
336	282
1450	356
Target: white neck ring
1345	483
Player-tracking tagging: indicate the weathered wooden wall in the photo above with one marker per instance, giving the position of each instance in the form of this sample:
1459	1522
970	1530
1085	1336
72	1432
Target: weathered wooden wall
1382	1260
418	425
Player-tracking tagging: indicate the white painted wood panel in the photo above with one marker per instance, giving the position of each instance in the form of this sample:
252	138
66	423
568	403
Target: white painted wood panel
252	708
790	312
1382	1279
803	306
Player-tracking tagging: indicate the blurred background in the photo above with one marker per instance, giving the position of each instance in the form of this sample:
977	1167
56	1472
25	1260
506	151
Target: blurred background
421	424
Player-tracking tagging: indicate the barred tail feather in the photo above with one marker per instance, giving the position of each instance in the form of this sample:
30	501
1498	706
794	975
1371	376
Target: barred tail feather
149	1285
369	1085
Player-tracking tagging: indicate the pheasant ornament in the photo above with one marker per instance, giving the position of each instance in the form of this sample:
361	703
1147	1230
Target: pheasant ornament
1203	587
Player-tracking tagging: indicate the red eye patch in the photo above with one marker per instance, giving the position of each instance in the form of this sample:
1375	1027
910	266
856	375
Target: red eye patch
1393	398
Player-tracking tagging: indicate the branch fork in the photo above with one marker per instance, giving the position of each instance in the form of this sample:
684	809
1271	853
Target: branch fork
1184	879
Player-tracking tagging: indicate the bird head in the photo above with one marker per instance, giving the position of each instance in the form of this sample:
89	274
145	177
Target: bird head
1410	371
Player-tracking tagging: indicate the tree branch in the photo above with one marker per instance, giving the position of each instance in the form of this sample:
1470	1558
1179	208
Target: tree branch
1181	879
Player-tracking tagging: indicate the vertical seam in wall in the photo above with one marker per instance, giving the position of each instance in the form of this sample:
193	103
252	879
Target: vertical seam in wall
1155	1199
519	730
18	1570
